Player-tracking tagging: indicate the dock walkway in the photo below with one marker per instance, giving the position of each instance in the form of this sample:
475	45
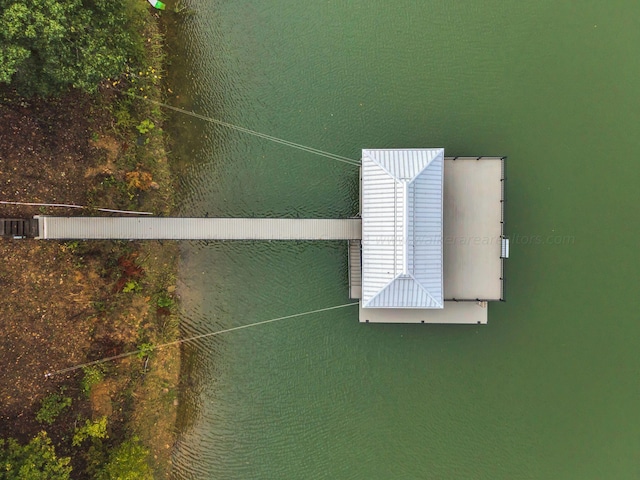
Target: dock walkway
170	228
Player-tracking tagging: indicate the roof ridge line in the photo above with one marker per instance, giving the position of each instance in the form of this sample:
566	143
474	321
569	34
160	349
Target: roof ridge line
380	291
385	170
440	154
400	275
425	290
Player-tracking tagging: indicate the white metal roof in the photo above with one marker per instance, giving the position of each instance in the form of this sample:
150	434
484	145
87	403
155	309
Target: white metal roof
402	228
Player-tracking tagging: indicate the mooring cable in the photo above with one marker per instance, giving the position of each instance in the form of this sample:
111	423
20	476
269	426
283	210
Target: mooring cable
66	205
271	138
191	339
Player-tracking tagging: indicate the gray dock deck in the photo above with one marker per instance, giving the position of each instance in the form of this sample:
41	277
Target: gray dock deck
161	228
452	313
473	191
355	269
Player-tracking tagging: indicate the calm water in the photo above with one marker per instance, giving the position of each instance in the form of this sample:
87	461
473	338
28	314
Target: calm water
550	388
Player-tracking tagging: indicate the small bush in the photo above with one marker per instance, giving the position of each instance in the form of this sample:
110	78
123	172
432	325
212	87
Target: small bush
139	180
97	429
131	286
100	306
164	301
52	406
123	117
93	375
129	273
145	126
71	247
145	350
128	461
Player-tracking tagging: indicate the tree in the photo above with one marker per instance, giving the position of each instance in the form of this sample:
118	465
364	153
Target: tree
36	461
48	46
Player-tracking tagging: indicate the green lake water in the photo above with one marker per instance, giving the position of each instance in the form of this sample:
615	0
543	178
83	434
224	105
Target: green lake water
550	388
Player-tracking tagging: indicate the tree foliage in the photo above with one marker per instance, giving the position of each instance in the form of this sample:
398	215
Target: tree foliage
48	46
90	429
52	406
36	461
127	462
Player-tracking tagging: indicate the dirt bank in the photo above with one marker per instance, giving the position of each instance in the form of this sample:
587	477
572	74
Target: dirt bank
65	304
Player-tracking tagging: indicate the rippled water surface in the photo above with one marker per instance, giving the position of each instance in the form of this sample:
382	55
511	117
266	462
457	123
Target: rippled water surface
549	388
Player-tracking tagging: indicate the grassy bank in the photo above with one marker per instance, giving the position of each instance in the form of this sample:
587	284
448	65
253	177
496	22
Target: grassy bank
67	304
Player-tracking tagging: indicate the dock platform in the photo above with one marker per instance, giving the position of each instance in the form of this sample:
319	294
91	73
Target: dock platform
473	246
473	228
452	313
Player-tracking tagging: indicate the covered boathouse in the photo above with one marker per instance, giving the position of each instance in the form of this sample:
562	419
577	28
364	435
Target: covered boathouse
427	247
433	244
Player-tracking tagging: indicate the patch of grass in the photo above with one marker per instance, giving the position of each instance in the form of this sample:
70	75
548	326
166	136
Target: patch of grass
100	306
71	247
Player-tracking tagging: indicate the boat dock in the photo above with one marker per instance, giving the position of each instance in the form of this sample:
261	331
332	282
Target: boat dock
474	247
442	230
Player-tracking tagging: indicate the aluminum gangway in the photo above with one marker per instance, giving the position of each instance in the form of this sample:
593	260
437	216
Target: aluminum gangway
174	228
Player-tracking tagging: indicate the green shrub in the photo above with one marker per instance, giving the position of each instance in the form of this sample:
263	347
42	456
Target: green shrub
164	300
71	247
145	126
35	461
127	462
145	350
100	306
131	286
93	375
123	118
96	429
52	405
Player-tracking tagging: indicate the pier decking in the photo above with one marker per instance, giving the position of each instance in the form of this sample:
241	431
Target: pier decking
452	313
473	211
160	228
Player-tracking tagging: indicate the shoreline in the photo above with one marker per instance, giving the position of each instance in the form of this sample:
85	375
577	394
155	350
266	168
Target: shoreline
74	302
